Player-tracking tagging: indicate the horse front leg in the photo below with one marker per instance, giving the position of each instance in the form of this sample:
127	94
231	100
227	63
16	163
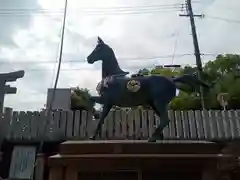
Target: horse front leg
106	109
97	99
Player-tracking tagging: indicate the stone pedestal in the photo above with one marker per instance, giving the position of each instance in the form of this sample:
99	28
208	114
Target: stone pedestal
113	159
1	154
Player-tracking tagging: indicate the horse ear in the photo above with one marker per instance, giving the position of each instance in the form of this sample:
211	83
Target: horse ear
100	41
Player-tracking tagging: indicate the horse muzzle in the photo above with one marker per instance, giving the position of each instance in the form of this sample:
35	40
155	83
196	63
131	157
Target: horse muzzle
90	61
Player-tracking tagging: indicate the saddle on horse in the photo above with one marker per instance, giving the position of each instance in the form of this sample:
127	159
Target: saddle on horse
104	82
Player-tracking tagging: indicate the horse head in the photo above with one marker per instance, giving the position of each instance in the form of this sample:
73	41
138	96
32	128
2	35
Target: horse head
110	64
101	52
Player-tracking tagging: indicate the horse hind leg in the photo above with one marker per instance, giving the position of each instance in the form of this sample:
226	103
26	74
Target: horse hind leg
160	109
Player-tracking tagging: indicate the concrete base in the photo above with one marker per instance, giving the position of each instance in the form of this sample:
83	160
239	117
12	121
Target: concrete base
186	159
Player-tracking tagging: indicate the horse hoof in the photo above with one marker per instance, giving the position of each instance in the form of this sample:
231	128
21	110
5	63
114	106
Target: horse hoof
92	138
151	140
156	137
161	137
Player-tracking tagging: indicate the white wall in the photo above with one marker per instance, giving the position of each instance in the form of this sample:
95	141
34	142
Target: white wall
62	99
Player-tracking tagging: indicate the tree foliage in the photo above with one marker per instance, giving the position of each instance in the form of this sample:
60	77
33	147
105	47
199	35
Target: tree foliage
223	72
80	99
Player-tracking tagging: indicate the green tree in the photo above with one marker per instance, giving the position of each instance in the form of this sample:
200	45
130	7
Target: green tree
185	101
223	65
180	101
168	72
188	70
224	71
144	71
80	99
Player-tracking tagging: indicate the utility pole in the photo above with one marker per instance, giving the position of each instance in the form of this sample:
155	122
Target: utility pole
196	46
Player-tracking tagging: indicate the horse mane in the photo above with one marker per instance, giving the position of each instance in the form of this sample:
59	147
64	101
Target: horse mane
111	66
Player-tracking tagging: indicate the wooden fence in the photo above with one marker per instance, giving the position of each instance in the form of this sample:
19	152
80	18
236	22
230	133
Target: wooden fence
120	124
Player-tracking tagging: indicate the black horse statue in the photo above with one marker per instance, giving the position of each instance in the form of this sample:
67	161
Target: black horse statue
116	89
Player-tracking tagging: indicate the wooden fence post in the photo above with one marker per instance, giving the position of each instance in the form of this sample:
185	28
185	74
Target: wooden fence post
132	124
39	168
4	126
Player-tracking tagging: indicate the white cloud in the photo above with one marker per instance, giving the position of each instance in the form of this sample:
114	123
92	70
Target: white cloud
12	20
33	38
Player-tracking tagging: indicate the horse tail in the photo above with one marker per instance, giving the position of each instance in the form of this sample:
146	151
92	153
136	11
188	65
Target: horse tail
190	80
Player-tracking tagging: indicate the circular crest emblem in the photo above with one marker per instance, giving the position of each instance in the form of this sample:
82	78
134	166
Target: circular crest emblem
133	85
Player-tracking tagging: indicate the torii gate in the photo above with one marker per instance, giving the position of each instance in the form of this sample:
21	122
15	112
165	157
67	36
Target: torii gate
7	89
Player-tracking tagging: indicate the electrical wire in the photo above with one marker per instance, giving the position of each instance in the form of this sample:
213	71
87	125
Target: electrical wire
40	149
57	75
222	19
121	59
99	11
133	12
95	8
138	6
55	66
59	64
175	44
77	69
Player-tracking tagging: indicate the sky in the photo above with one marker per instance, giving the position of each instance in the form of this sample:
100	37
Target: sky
142	33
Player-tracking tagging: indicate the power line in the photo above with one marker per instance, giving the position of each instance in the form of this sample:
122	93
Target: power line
222	19
95	13
91	9
79	68
175	43
123	59
132	9
133	12
55	66
95	8
58	73
99	11
139	6
28	12
60	56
